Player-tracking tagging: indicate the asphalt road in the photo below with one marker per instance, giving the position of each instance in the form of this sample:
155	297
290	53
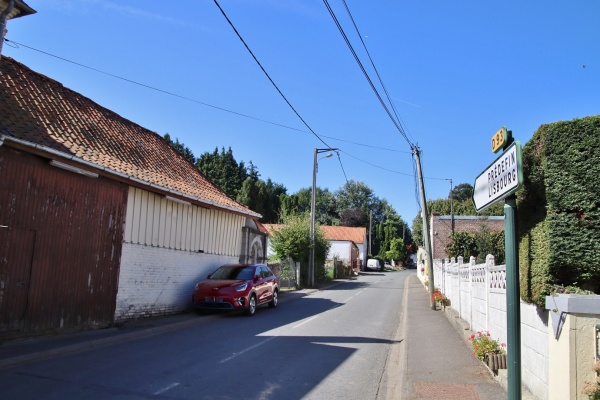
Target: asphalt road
332	344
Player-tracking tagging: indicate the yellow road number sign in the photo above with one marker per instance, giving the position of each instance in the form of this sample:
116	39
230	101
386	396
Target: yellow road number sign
499	139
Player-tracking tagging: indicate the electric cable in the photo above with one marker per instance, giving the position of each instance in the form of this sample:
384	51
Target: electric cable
275	85
398	118
267	75
17	44
154	88
366	75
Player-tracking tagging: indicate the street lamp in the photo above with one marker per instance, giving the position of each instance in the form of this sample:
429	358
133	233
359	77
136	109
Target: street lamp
311	259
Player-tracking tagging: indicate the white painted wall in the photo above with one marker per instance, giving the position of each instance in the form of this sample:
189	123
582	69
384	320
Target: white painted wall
535	350
158	281
155	221
167	248
340	249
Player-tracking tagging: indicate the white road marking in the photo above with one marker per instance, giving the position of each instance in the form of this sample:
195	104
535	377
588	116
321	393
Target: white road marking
246	350
354	295
171	386
305	321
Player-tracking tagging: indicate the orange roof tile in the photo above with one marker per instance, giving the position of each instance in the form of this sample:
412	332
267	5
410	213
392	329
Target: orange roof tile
356	235
41	111
341	233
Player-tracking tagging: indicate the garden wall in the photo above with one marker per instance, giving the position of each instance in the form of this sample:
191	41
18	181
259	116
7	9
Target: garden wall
477	292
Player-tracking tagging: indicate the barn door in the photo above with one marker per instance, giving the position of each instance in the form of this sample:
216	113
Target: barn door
16	255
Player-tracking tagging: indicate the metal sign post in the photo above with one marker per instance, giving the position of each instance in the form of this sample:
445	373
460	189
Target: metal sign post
513	299
500	181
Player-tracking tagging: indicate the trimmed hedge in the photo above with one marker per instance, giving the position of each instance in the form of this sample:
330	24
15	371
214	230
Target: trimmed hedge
559	209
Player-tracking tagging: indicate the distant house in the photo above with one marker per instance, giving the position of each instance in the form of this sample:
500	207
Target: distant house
100	219
442	226
348	244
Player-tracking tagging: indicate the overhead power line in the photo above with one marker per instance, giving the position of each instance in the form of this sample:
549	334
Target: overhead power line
366	75
267	74
17	44
152	87
398	118
275	85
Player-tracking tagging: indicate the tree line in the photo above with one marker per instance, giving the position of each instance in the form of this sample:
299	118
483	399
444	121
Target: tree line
354	204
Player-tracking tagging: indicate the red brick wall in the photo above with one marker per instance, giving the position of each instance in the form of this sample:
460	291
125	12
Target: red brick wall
441	228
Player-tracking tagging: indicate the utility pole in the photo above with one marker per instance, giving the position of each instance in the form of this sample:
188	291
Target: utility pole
451	209
425	215
370	224
313	211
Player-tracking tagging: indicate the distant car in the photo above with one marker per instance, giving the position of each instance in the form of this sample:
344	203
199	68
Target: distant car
241	287
410	264
373	264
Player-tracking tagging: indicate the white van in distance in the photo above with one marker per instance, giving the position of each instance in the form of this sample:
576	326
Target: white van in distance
373	264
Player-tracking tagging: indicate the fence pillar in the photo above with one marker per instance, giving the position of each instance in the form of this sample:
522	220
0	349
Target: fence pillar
460	263
472	263
489	263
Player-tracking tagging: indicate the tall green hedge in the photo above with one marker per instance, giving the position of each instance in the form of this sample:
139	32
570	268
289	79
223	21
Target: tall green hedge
559	209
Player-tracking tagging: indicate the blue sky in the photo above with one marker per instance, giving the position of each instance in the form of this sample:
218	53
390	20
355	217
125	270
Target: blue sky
456	72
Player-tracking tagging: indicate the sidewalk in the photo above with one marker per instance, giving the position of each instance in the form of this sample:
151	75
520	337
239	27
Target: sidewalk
438	364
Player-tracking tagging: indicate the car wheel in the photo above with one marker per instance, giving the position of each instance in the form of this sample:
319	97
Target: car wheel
275	299
251	305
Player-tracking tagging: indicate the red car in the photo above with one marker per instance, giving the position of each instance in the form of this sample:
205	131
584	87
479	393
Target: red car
237	287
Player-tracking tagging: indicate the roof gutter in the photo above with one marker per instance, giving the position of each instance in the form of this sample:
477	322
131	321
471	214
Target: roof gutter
109	171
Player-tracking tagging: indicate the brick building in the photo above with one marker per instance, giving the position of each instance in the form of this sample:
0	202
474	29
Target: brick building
441	229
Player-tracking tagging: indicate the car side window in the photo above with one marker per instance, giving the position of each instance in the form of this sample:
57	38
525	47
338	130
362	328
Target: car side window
266	272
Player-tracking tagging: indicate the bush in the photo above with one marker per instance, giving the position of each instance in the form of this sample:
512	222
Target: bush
558	209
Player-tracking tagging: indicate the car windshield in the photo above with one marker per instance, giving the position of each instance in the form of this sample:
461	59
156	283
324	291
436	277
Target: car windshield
233	273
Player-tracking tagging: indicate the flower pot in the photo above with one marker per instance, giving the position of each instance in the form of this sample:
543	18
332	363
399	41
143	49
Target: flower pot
496	361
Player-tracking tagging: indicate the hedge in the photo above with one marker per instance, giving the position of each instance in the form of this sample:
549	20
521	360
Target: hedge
559	209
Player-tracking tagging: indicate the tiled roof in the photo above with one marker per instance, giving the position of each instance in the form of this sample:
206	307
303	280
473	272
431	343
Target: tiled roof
356	235
41	111
269	229
341	233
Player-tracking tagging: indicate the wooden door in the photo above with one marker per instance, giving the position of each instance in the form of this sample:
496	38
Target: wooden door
16	255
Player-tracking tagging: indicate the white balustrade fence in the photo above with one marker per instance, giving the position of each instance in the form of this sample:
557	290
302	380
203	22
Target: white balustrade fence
477	292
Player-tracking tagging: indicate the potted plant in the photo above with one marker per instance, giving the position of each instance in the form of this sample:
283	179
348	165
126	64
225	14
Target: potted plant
438	298
488	350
